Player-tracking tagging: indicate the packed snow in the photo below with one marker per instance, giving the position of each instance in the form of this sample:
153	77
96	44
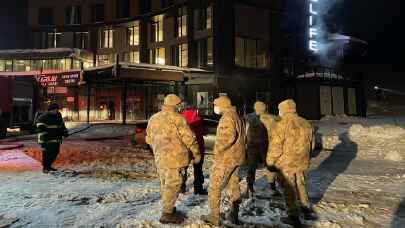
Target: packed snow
355	180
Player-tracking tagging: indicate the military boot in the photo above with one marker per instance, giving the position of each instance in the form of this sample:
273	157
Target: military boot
200	191
233	215
211	219
274	189
173	218
250	192
308	213
293	221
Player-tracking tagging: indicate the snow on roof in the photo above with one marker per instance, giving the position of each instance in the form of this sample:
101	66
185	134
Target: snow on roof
31	51
128	65
25	54
337	36
102	67
321	75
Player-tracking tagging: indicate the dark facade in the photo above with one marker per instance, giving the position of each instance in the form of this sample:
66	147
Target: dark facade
13	24
220	47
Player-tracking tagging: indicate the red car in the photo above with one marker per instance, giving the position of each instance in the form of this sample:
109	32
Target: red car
140	135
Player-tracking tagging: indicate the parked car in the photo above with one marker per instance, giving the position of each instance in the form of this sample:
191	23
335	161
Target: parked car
138	138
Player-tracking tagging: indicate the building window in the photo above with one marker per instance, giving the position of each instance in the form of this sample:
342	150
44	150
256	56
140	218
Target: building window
131	57
45	16
251	53
105	59
73	15
106	38
6	65
205	52
179	55
205	18
181	22
133	35
57	64
54	39
157	28
123	8
98	13
21	65
81	40
157	56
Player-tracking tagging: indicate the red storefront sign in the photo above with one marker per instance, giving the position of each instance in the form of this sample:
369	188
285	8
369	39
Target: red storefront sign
59	79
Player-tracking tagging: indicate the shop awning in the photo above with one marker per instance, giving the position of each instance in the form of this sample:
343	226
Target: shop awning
140	72
49	53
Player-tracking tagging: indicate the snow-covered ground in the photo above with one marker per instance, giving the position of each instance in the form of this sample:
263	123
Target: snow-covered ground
352	183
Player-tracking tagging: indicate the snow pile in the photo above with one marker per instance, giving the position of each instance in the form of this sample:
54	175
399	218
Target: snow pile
370	138
381	131
393	156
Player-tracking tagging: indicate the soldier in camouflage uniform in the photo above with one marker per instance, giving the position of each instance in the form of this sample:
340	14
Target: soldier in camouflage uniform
291	143
172	141
258	128
229	154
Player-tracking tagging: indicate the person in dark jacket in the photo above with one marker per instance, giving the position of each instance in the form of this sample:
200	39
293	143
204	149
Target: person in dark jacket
197	125
51	130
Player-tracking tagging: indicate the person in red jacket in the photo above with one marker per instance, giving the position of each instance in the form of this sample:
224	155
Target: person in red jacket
197	125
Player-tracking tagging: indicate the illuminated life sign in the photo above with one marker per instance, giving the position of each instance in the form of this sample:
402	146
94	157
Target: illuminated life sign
313	33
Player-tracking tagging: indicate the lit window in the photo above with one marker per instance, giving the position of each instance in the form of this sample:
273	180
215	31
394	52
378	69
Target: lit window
104	59
179	55
2	65
251	53
205	18
157	56
183	57
54	39
209	17
239	52
182	22
131	57
81	40
205	54
157	28
106	38
133	35
210	55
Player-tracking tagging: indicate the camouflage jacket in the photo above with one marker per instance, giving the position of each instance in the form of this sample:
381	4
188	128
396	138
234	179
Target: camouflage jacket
230	140
171	139
291	144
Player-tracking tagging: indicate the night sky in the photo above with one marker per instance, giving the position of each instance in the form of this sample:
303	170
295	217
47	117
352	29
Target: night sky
381	24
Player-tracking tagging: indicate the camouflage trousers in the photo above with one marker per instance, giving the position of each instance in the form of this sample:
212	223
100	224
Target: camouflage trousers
170	186
256	155
294	191
223	176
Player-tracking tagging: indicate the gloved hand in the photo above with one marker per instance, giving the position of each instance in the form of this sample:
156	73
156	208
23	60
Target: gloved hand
272	169
196	159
